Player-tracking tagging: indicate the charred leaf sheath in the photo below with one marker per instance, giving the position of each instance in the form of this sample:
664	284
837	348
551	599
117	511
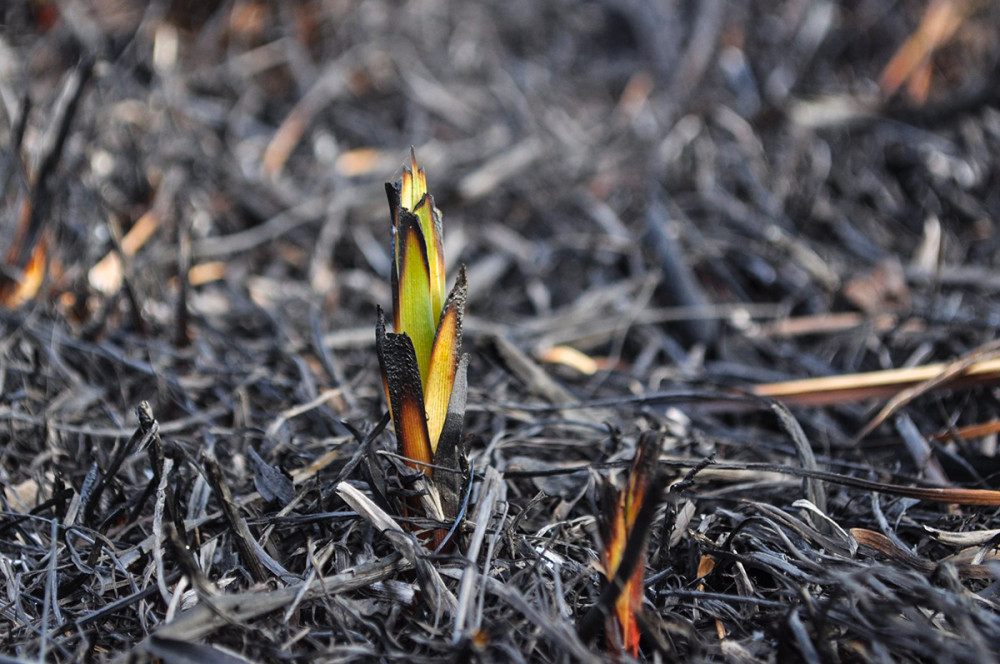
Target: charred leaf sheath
621	525
401	381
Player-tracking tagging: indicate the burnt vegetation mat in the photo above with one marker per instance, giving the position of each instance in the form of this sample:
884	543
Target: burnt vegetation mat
667	211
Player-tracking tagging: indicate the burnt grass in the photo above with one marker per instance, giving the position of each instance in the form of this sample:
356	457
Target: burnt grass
664	187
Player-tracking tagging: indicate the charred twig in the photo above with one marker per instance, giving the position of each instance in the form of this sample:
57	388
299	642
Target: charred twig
238	526
156	459
201	621
147	430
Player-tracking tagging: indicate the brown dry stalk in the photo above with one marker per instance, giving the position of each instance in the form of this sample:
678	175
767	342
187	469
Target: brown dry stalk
846	388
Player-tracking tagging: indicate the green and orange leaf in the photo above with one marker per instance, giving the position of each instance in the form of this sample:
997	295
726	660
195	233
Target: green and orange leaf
444	360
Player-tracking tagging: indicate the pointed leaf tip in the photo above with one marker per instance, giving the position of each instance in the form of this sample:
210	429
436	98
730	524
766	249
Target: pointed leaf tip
380	352
413	184
392	193
641	474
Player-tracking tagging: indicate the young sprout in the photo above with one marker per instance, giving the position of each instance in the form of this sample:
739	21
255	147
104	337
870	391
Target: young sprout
621	525
423	368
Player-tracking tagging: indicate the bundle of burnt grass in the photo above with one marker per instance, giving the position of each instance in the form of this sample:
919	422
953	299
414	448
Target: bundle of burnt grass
155	549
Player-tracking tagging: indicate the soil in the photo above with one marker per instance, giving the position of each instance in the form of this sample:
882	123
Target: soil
661	206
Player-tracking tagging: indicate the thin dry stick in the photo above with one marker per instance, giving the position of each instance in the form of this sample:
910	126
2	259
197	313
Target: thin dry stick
814	490
557	630
200	621
846	388
241	532
985	354
492	485
441	598
826	323
968	432
158	533
886	546
331	84
148	428
51	601
295	411
985	497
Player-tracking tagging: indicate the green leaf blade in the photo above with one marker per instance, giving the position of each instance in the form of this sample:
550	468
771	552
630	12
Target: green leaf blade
414	310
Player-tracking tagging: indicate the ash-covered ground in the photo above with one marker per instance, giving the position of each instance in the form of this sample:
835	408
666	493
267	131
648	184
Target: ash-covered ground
661	205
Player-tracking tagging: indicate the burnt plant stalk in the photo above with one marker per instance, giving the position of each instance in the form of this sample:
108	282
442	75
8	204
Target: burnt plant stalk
423	367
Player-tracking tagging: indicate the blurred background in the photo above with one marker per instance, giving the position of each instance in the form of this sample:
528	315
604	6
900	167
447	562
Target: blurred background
801	157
